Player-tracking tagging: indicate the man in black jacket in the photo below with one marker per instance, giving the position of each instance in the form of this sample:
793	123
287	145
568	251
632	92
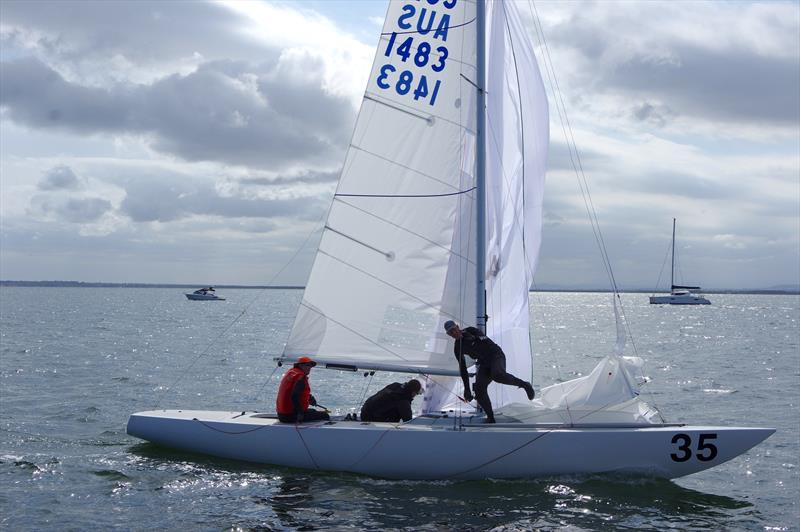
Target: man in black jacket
491	365
393	403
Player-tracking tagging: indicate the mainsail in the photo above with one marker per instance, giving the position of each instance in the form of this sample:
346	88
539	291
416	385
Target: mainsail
397	256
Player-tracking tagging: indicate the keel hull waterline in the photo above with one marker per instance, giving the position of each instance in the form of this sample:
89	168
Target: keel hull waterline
415	450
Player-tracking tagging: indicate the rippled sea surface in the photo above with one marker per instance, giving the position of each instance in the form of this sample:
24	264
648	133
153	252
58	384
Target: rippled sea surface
75	362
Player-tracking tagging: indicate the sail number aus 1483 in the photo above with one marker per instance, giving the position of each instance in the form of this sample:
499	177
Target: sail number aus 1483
405	81
705	452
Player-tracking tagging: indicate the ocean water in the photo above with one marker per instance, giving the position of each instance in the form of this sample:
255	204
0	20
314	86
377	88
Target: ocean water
75	362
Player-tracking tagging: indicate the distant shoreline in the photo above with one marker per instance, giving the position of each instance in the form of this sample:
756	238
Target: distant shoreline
81	284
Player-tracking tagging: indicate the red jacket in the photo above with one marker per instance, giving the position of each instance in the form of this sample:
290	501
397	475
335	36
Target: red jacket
284	400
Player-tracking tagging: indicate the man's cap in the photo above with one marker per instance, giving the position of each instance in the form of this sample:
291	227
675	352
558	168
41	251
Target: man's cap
306	360
449	324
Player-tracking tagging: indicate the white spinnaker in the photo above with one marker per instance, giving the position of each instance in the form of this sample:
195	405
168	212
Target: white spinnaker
397	255
518	135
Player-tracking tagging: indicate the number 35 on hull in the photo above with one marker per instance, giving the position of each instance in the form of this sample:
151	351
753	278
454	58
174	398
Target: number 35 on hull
694	448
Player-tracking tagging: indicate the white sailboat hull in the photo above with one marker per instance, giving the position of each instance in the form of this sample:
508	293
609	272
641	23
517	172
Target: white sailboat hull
417	451
689	299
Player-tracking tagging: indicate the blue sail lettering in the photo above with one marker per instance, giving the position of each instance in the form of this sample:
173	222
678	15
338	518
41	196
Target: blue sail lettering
408	12
421	21
442	29
449	4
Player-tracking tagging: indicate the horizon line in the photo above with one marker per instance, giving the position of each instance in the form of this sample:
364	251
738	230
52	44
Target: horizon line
549	288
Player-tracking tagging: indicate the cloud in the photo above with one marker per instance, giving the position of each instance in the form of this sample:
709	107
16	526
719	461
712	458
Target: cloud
719	86
170	197
717	61
59	178
73	210
232	112
211	135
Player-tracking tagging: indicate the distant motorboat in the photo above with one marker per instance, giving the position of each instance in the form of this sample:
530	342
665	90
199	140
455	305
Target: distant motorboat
679	295
204	294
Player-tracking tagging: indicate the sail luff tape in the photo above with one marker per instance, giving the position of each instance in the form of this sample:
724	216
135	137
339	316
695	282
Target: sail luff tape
429	118
388	254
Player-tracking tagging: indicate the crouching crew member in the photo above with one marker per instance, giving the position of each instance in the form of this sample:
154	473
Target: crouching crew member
393	403
294	395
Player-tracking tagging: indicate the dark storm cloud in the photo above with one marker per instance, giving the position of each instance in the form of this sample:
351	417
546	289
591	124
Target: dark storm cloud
226	111
59	178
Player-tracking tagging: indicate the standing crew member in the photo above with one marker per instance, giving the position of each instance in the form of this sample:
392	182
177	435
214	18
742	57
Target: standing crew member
393	403
491	362
294	395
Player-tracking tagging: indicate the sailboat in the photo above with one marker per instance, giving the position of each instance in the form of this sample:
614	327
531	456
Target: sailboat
679	294
437	216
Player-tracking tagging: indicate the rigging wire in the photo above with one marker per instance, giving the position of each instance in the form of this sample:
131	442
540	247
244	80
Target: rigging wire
661	271
366	389
187	369
578	168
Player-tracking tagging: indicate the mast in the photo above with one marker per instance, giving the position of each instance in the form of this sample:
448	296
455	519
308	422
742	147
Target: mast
480	171
672	270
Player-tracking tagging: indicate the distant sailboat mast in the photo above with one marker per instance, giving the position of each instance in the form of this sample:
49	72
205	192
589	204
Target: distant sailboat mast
672	270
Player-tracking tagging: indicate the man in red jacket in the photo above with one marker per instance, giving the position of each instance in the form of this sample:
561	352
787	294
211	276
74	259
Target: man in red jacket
294	395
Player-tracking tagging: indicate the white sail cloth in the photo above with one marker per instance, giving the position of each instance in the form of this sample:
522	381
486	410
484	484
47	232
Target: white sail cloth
397	257
518	134
517	139
609	394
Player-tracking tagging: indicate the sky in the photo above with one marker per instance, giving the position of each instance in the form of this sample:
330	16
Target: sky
200	142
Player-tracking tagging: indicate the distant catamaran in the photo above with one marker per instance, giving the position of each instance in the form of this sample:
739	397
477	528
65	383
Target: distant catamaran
437	216
679	295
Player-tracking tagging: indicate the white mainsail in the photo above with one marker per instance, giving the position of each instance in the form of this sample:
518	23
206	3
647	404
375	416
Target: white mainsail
396	259
397	256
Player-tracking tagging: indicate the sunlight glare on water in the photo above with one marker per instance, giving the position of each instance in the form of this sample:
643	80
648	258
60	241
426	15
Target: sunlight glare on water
76	362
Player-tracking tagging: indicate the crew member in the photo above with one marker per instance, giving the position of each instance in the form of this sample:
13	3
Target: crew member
294	395
490	361
393	403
